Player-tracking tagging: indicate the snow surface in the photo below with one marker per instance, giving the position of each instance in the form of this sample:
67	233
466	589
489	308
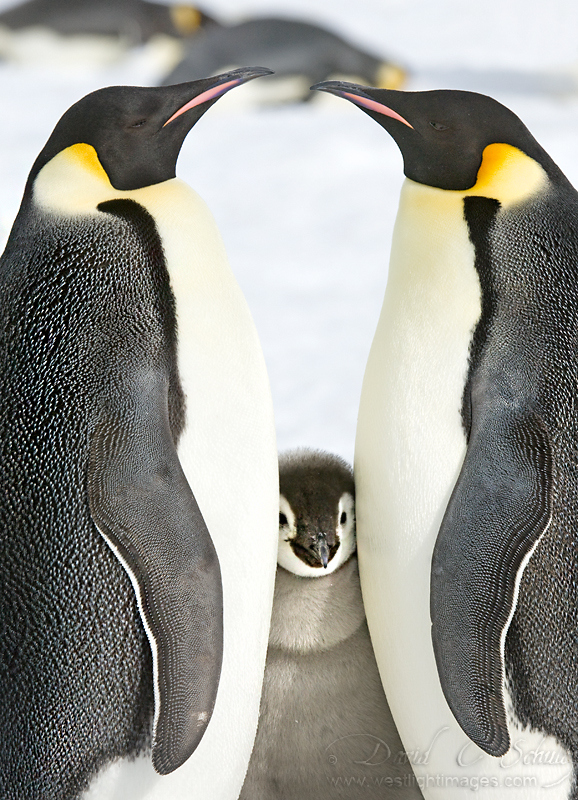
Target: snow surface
306	196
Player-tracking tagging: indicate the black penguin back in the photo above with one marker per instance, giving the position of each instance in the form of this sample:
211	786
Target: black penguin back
524	347
89	299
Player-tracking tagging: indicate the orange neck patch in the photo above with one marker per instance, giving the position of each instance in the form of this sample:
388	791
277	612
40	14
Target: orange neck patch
186	19
508	175
85	156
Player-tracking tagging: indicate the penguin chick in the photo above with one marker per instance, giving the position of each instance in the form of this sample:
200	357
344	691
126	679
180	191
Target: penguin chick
325	728
316	516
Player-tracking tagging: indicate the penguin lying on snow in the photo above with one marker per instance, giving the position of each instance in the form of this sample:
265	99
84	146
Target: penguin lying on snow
96	30
135	20
325	729
465	457
130	373
289	47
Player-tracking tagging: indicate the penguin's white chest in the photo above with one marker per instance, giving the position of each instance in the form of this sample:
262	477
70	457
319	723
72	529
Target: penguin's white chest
410	440
40	46
229	456
409	450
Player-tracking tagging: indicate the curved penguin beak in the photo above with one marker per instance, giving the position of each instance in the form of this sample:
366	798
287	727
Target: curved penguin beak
361	96
208	90
322	549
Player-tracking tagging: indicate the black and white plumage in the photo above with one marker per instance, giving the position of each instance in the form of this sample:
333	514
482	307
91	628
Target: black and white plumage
136	21
98	32
291	48
316	513
131	378
325	729
465	455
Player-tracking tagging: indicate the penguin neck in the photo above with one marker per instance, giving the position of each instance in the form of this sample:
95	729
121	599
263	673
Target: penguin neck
432	259
311	614
74	183
507	175
417	370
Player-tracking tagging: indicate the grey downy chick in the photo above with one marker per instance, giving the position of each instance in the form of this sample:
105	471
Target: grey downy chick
325	728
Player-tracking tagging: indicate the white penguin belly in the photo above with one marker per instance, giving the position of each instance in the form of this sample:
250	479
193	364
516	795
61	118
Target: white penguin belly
228	453
42	46
409	450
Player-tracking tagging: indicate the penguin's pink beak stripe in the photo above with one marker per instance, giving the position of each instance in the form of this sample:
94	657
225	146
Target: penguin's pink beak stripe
210	94
373	105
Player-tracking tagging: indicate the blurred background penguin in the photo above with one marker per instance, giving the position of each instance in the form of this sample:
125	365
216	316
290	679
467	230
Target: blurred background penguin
189	43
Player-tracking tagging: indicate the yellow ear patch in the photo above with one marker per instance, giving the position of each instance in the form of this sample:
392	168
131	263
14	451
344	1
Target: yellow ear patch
389	76
186	19
84	156
73	182
508	175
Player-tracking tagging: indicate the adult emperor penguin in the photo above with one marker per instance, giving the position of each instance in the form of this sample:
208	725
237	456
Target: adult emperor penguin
325	729
132	377
96	30
465	457
134	20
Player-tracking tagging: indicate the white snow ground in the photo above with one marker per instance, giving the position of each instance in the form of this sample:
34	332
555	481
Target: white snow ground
305	197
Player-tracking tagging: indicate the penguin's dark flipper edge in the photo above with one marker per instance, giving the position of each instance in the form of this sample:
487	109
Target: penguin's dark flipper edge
143	506
499	509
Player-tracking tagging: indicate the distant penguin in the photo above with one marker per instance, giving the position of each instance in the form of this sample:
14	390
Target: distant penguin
465	461
291	48
131	378
136	20
325	729
109	25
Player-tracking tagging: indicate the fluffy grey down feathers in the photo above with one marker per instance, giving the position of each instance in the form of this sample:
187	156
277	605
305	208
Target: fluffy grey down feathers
325	729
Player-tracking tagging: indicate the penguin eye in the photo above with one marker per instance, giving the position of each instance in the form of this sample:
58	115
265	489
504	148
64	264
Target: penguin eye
343	518
138	124
437	126
282	519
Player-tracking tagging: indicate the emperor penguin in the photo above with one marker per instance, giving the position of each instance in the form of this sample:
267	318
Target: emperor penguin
325	728
97	30
138	458
465	461
296	50
135	20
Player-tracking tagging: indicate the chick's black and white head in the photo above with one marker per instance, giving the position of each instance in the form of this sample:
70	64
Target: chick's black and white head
316	513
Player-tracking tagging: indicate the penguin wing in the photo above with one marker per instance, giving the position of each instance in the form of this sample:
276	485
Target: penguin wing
143	506
499	509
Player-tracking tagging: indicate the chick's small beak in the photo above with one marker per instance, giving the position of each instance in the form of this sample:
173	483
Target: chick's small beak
322	549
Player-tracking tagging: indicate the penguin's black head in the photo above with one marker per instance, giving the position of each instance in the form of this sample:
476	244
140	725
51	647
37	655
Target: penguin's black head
316	512
138	132
442	134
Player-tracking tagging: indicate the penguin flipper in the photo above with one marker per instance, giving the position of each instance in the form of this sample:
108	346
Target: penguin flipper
499	509
143	506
